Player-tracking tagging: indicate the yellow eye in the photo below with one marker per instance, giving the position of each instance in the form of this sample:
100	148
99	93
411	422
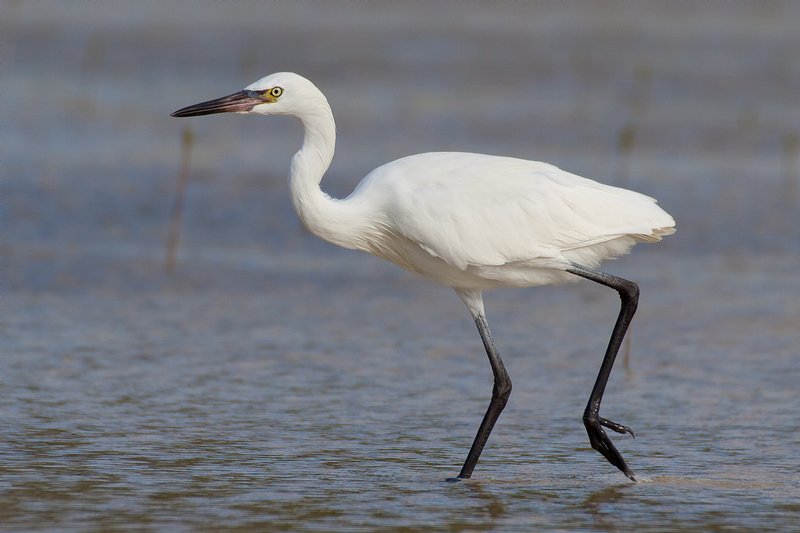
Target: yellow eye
275	92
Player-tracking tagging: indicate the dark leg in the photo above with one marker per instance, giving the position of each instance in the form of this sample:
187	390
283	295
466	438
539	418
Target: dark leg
629	293
500	393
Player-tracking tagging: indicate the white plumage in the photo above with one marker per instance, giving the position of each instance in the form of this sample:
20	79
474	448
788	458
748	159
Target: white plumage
468	221
475	221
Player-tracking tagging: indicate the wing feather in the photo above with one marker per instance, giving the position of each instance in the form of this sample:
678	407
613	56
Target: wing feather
472	209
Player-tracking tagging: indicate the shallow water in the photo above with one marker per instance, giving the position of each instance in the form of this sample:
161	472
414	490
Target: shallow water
275	382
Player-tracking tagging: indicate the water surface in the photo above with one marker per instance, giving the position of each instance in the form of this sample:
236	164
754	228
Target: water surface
275	382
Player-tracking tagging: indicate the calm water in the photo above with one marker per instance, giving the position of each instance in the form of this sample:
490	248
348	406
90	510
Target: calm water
274	382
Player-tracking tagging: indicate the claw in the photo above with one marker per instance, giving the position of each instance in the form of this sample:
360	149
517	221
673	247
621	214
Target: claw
613	426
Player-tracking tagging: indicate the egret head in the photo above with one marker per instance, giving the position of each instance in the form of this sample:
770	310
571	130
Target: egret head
283	93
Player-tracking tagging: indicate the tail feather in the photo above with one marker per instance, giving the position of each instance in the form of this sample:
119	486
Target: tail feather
656	235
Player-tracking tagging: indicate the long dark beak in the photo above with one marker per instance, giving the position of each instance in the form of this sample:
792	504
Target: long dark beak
233	103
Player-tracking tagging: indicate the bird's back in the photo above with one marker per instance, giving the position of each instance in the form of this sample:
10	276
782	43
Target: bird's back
497	216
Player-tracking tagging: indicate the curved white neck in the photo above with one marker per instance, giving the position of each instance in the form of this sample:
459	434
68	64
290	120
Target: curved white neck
333	220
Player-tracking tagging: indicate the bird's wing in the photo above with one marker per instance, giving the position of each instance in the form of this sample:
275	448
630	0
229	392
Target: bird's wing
472	209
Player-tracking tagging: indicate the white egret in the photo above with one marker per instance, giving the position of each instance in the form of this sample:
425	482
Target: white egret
467	221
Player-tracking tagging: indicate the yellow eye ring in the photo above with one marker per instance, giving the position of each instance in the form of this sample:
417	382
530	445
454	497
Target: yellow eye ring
275	92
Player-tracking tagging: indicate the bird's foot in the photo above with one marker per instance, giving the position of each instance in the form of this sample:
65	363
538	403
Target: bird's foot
602	443
461	477
613	426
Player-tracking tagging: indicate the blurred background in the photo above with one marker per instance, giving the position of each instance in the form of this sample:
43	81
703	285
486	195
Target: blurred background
273	381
